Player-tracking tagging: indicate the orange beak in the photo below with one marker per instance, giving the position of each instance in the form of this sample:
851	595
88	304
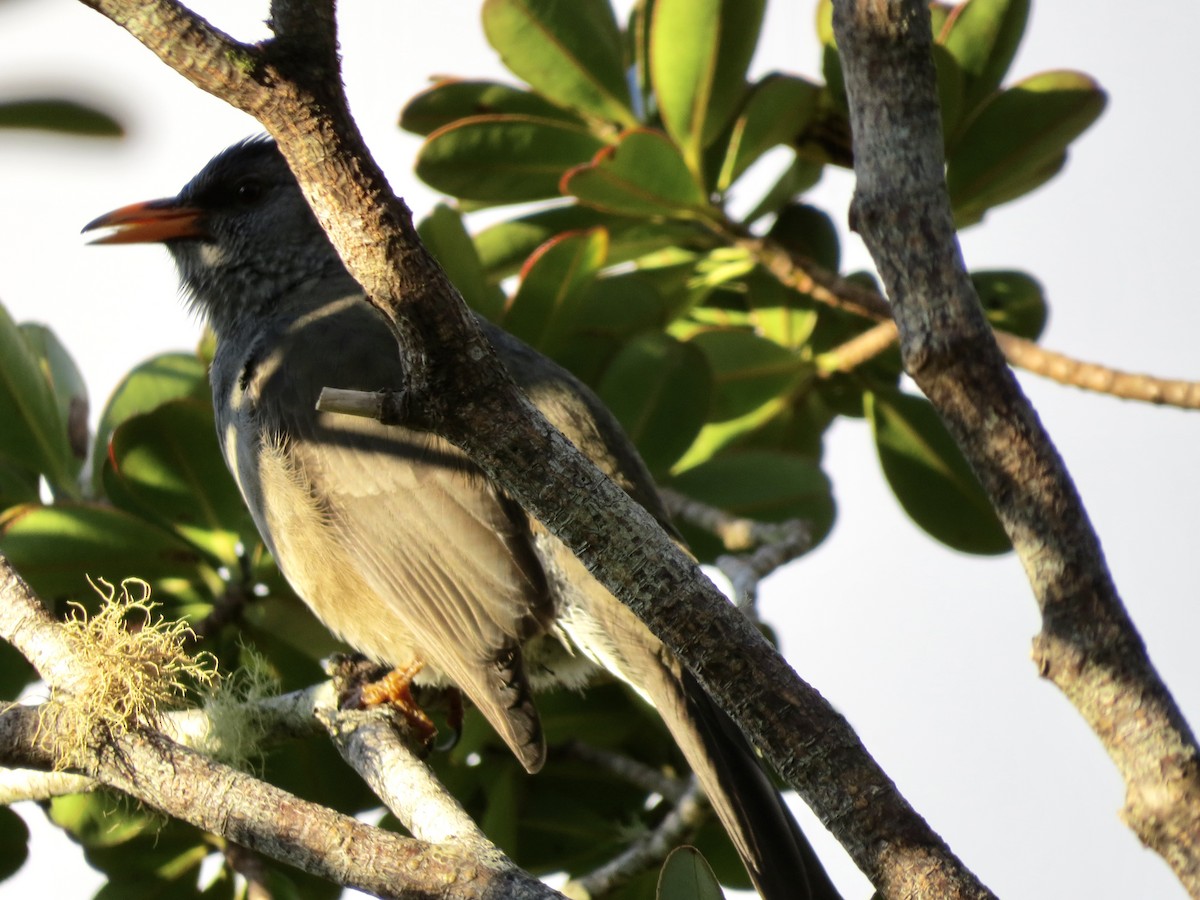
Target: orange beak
149	223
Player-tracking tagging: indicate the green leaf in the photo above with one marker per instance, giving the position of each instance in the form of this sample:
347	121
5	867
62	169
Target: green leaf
554	280
65	116
168	467
778	313
1018	139
808	232
504	158
778	109
1013	301
686	876
699	53
66	381
451	99
983	37
643	175
929	475
748	371
56	547
17	485
148	385
766	485
504	247
795	180
620	305
659	389
14	842
570	53
443	232
33	436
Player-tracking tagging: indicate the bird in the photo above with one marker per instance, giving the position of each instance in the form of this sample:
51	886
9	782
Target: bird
400	544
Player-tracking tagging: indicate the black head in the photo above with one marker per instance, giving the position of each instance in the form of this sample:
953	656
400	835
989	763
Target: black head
241	233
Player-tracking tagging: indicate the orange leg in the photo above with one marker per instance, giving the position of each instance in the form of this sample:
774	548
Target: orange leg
396	688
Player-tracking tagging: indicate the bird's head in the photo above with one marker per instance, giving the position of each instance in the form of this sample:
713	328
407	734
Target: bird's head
241	233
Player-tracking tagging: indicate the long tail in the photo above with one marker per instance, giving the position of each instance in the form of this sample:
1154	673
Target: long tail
779	858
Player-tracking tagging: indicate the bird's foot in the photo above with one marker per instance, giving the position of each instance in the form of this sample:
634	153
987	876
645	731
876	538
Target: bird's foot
395	688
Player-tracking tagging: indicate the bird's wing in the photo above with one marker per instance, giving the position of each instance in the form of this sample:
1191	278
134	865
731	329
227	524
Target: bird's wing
447	557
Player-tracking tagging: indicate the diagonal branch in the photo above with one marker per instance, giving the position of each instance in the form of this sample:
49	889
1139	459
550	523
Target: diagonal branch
1088	645
457	389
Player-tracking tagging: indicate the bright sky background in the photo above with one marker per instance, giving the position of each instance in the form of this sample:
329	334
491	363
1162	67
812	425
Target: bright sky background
925	651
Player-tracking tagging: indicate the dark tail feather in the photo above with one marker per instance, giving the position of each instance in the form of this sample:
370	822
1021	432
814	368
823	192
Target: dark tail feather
779	858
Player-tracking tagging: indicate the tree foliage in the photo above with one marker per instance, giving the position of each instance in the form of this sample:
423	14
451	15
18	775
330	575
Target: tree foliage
641	257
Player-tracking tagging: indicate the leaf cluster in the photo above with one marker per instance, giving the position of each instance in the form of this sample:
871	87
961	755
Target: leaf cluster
625	149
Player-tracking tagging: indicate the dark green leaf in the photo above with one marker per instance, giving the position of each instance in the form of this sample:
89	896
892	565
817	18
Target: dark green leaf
748	371
699	53
766	485
831	63
809	232
553	283
1017	139
451	99
33	436
570	53
951	85
929	475
56	547
14	842
147	386
444	234
66	381
170	469
66	116
778	109
504	158
983	36
1013	301
659	390
643	175
17	484
686	876
621	305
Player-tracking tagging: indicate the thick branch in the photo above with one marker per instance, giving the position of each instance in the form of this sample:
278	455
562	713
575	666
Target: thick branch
456	388
1088	645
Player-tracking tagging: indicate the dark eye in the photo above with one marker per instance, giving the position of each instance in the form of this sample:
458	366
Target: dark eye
248	191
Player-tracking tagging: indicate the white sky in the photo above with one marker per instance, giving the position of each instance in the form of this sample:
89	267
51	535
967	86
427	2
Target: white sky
925	651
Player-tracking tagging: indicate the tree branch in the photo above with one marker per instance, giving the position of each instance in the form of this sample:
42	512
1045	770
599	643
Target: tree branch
832	290
456	388
1088	645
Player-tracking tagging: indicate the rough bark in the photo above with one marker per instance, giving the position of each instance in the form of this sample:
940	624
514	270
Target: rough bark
1088	645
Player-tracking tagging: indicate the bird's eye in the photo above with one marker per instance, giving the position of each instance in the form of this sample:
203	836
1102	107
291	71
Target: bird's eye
248	191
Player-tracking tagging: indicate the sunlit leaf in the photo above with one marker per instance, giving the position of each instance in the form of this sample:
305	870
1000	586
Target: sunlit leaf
748	371
699	53
643	175
451	99
504	158
776	111
983	37
569	53
158	380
